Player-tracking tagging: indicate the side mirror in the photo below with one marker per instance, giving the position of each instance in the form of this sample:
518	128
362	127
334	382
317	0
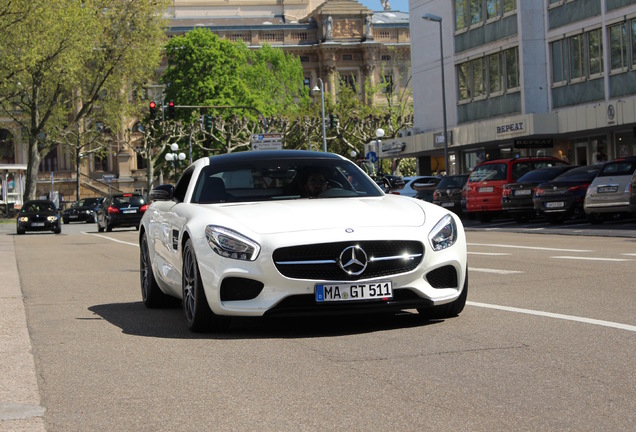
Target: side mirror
162	193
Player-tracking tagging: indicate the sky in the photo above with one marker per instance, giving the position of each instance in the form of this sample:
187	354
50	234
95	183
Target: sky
396	5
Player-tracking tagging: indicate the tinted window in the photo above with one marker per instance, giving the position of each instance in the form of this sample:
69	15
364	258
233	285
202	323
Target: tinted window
267	179
132	200
540	175
451	182
618	168
585	173
488	172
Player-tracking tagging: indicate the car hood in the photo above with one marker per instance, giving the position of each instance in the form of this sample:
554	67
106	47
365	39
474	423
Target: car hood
319	214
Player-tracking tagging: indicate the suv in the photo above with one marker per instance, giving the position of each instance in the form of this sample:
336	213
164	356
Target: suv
484	188
610	192
121	210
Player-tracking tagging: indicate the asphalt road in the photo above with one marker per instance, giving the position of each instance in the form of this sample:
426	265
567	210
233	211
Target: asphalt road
546	342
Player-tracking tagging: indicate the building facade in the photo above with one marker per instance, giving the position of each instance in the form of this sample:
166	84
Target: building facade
548	77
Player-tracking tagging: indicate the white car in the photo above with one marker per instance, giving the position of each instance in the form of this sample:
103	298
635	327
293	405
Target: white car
610	192
241	236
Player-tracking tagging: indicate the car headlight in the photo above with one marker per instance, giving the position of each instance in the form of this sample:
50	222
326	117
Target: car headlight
230	244
23	219
444	233
51	218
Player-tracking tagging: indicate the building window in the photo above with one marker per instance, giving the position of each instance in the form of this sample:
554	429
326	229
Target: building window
577	57
347	57
558	75
460	14
348	80
479	77
595	48
386	58
495	75
307	82
137	127
634	43
387	84
618	47
512	68
463	83
101	163
509	6
492	9
304	59
475	12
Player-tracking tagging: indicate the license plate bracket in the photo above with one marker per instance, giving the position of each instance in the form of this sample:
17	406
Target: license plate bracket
338	292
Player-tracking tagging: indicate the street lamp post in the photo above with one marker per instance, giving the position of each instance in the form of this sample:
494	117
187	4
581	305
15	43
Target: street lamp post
322	102
174	157
438	19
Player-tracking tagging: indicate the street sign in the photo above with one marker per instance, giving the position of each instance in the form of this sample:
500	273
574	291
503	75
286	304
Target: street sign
372	156
267	141
108	178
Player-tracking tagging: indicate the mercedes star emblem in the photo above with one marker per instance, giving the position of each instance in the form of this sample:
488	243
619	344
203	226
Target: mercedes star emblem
353	260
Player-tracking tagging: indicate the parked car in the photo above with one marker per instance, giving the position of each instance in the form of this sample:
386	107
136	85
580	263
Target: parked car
121	210
563	197
517	198
485	184
84	210
448	192
408	190
38	215
390	182
237	237
610	192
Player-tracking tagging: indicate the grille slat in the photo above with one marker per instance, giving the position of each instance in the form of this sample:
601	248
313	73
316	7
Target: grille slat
320	261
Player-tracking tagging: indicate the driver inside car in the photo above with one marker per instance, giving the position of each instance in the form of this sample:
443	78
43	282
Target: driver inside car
315	184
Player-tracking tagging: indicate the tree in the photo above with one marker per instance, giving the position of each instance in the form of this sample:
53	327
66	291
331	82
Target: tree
204	70
64	75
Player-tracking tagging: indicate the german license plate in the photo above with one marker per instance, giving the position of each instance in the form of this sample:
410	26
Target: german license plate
522	192
73	216
556	204
607	189
353	292
448	204
37	224
486	189
129	211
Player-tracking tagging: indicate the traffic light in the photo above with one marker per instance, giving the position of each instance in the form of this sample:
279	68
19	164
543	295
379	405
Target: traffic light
153	109
208	122
171	110
333	120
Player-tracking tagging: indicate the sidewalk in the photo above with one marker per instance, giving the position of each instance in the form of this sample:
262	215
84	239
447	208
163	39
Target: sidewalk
20	408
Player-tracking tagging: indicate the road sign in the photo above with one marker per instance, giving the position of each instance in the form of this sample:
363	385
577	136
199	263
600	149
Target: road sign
267	141
372	156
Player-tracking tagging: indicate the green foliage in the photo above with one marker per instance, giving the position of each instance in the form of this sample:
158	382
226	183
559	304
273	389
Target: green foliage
206	70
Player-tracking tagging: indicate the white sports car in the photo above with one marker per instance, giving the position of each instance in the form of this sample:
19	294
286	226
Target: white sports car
275	233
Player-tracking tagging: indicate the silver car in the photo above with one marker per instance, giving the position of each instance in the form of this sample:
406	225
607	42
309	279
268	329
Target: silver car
609	194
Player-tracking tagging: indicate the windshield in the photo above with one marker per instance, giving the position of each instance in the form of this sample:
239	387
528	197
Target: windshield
540	175
453	182
39	207
488	172
267	179
618	168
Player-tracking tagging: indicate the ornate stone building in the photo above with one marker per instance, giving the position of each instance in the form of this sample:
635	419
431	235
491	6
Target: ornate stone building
329	36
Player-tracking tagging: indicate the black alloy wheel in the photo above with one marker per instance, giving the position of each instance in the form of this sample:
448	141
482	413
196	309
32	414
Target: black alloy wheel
199	316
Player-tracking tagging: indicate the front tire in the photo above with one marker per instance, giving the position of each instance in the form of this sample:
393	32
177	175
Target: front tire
198	314
151	294
448	310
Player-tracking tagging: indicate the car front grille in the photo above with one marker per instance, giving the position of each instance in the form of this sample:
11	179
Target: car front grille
329	261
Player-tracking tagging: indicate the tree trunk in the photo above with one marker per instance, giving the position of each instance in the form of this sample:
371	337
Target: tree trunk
33	164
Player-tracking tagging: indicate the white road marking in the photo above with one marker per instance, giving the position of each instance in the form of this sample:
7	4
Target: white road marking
111	239
629	254
527	247
557	316
487	270
489	253
591	258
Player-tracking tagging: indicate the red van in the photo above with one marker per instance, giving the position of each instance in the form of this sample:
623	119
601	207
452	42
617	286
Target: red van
485	184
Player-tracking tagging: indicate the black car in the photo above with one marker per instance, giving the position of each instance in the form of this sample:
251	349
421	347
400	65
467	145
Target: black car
517	198
38	215
448	193
121	210
84	210
563	197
